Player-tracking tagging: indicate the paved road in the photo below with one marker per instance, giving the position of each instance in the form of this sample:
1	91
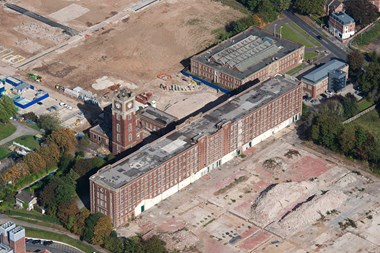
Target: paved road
20	131
334	49
4	218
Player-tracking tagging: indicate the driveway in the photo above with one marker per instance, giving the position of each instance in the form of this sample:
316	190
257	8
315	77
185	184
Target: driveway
20	131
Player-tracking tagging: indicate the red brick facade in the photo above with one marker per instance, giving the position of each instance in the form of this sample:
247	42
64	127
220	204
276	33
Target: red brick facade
281	66
208	151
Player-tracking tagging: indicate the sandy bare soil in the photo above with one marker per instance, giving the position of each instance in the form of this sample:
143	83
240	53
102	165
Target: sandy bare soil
25	36
282	198
151	42
97	11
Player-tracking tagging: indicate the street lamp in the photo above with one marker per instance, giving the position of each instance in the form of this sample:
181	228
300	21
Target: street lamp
274	31
280	31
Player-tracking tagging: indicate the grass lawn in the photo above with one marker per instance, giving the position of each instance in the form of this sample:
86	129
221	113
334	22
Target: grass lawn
310	55
364	104
288	33
27	140
310	38
37	233
371	122
32	215
368	36
295	70
6	130
4	152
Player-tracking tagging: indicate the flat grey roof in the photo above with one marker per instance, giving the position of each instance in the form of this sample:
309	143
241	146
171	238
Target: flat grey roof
323	71
157	115
343	18
5	248
154	154
246	53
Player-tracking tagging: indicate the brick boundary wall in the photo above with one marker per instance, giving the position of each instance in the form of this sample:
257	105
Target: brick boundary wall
359	114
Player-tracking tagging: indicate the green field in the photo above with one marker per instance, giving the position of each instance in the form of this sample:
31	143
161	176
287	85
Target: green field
371	122
4	152
310	38
295	70
27	141
6	130
368	37
310	55
289	34
364	104
42	234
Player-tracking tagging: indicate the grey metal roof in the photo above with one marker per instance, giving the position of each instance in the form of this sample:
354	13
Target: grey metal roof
157	115
322	72
154	154
246	53
343	18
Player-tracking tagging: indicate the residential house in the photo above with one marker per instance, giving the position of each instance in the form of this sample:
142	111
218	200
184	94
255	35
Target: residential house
341	25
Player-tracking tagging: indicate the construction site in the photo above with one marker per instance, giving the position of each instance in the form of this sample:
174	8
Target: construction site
99	47
280	197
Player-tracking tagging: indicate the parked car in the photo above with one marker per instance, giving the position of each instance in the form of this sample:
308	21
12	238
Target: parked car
69	107
47	243
40	103
62	104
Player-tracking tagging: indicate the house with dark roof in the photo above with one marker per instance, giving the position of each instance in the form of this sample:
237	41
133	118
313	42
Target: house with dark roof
26	199
332	6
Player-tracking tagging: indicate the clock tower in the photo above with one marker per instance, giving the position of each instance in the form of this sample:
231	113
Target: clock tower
124	122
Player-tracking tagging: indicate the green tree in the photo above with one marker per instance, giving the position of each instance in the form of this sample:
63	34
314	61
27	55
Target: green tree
35	162
7	109
333	108
66	213
49	122
347	140
309	7
267	11
90	224
155	245
83	166
350	107
355	60
362	11
326	131
80	219
102	230
65	140
281	5
114	244
50	153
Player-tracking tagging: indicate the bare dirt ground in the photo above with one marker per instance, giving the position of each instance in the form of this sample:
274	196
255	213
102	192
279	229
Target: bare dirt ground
66	11
151	42
283	197
24	36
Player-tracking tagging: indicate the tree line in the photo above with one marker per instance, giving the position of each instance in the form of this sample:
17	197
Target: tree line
324	127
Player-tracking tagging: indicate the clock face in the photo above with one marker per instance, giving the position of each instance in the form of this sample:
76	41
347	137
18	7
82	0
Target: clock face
129	105
118	105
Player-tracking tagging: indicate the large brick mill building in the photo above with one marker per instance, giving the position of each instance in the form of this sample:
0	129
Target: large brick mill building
250	55
159	169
